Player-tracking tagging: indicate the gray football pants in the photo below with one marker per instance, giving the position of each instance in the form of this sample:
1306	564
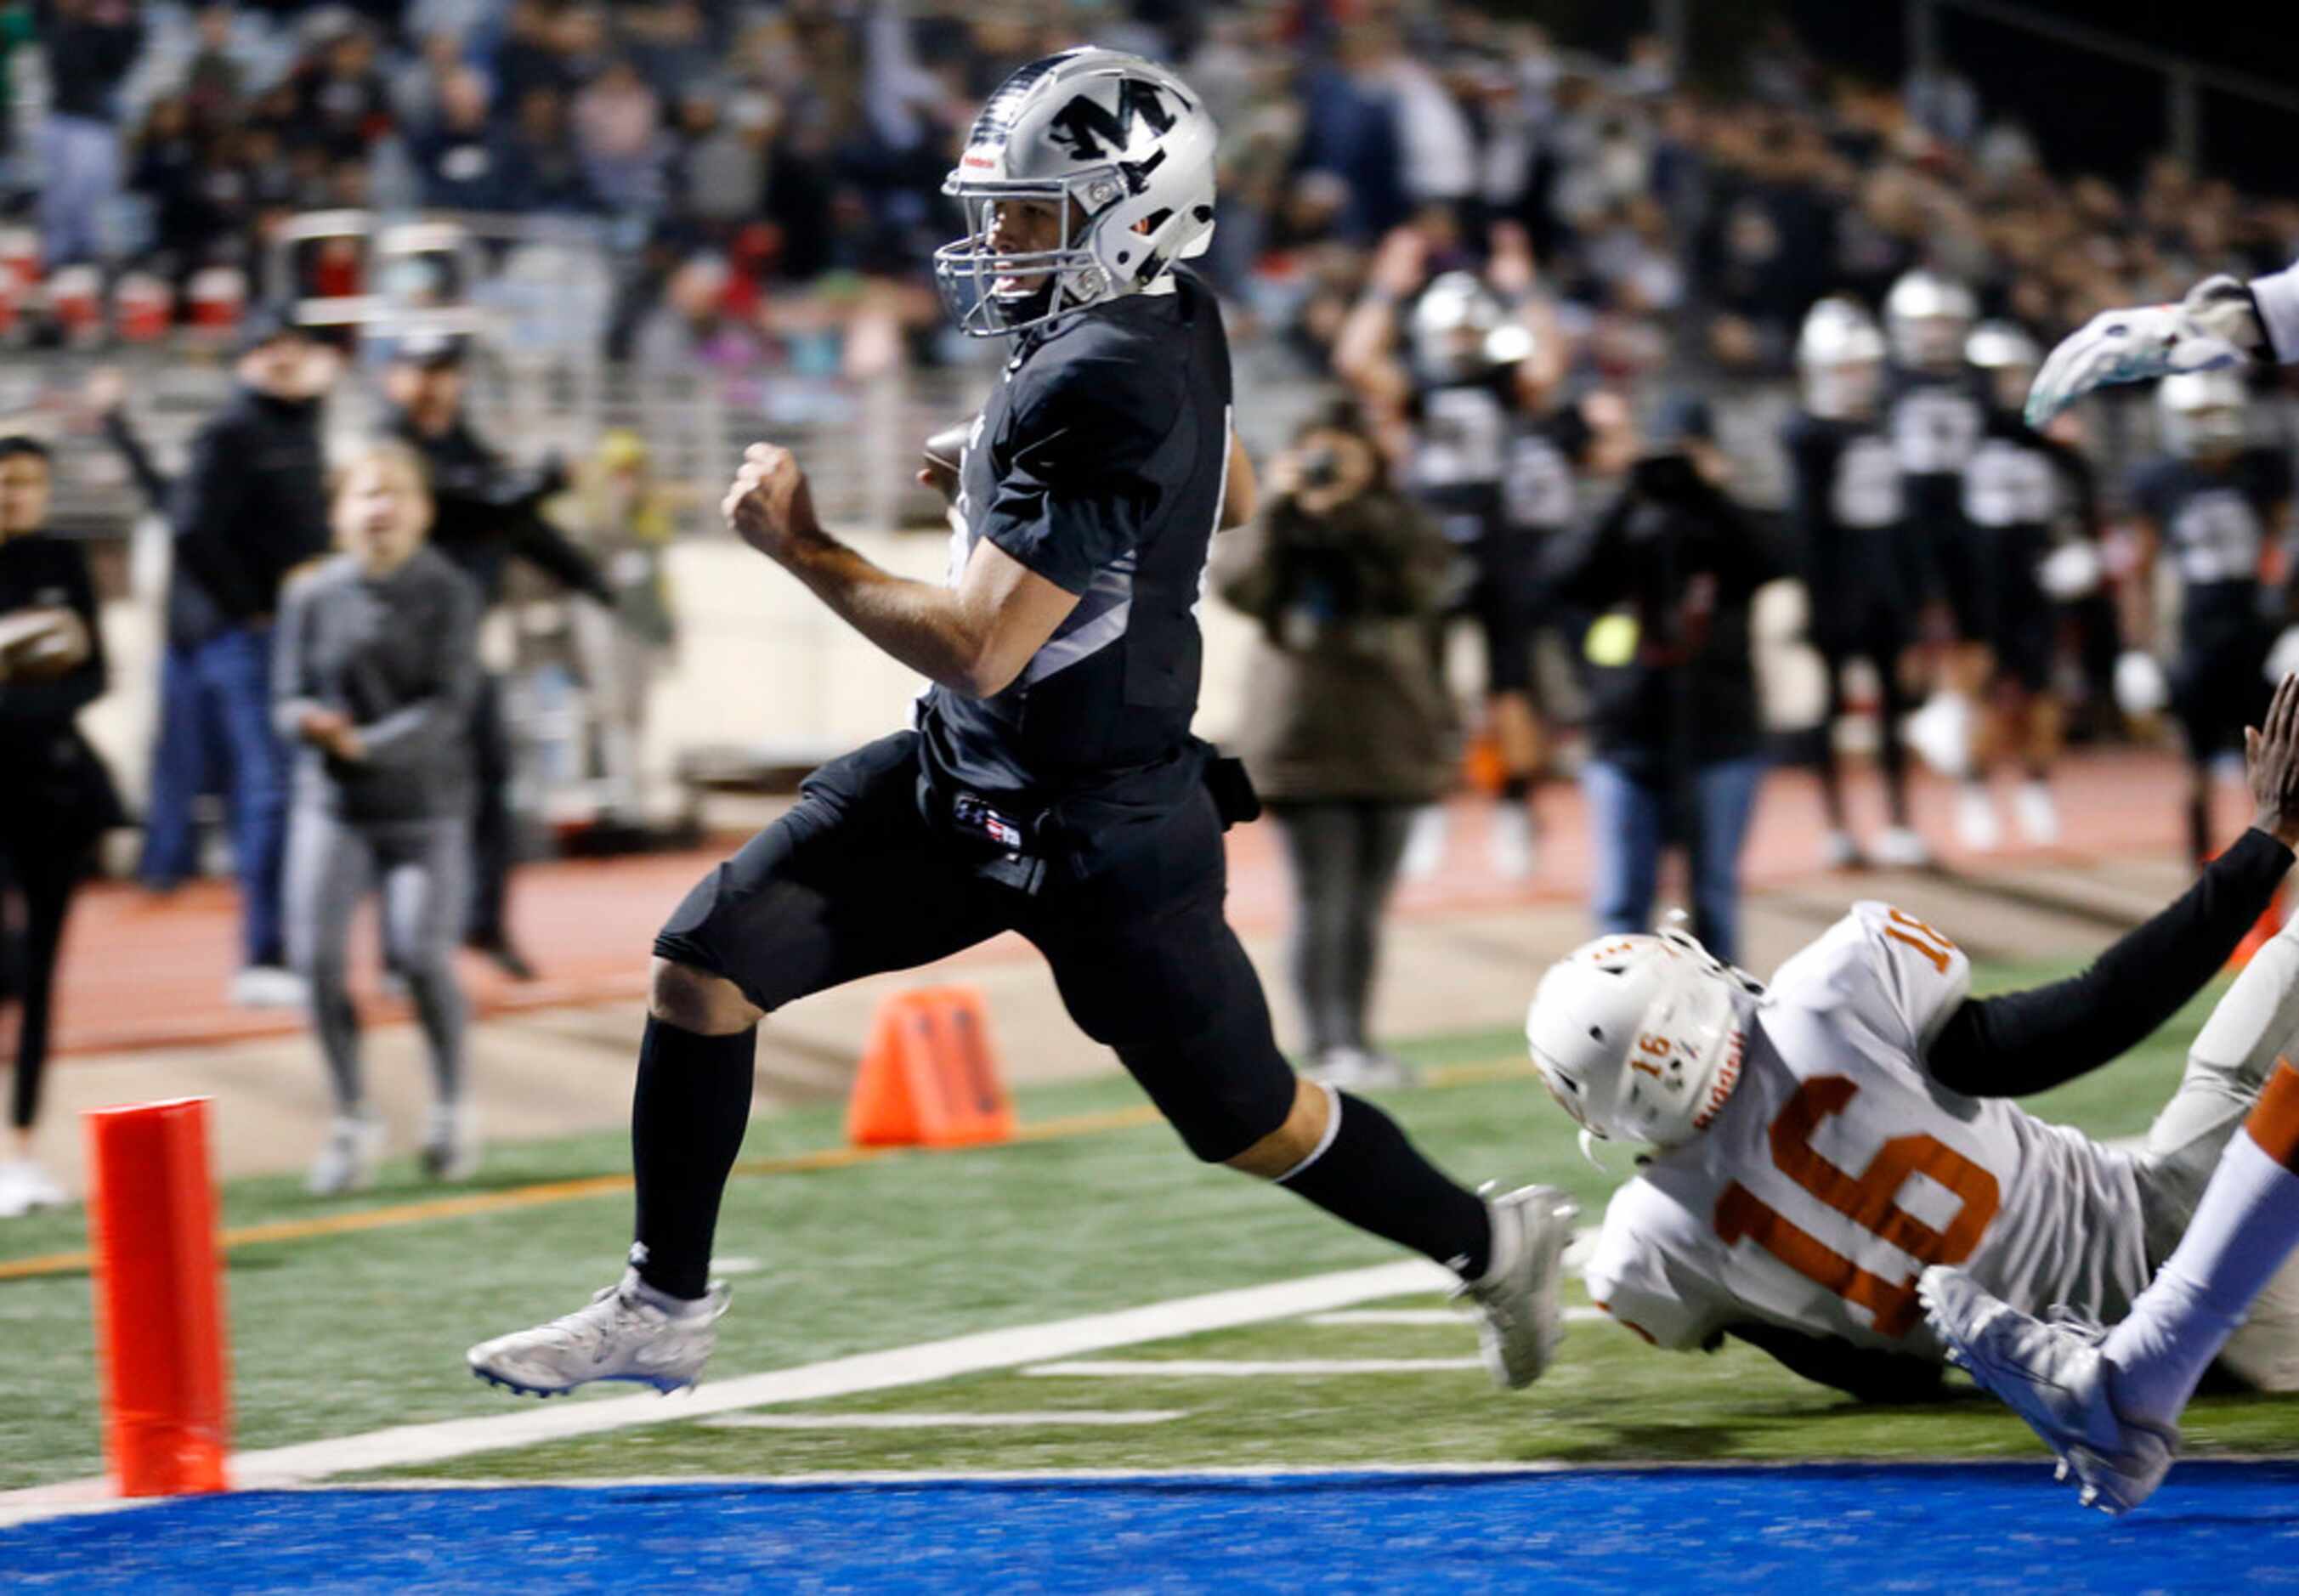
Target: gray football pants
421	869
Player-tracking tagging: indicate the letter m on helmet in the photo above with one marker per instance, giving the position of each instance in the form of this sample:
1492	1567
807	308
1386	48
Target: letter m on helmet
1081	126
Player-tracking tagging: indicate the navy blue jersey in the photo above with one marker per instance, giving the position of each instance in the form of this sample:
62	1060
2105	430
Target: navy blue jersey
1847	504
2022	485
2214	526
1099	463
1935	422
1459	467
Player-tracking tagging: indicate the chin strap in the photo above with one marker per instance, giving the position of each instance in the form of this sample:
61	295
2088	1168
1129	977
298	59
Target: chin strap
1589	1140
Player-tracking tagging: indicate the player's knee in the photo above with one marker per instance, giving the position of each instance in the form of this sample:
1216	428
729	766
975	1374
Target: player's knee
695	1000
1286	1149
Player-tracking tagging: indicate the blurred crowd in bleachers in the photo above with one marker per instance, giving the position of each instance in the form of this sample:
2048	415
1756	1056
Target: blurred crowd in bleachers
769	174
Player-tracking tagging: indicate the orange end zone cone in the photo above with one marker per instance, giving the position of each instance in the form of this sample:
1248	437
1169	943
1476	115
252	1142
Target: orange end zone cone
930	1077
159	1298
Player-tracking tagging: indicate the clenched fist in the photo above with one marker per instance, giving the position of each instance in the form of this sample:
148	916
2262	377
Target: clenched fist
769	506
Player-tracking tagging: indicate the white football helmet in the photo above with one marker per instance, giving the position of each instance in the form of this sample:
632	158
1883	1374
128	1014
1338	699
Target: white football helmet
1640	1036
1840	356
2004	351
2202	413
1460	330
1927	317
1121	146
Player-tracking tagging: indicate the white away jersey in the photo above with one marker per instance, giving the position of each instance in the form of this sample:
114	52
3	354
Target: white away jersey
1839	1169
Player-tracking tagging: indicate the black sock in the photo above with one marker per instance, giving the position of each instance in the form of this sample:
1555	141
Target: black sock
688	1114
1371	1177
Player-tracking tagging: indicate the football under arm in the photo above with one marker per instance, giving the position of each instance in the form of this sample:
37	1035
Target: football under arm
2024	1042
1865	1374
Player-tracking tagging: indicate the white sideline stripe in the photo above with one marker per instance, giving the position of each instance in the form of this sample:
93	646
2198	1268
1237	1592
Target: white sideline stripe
405	1446
1433	1316
1056	1418
1222	1368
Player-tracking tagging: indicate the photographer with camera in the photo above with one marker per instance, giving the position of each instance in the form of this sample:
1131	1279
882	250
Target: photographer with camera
1670	570
1347	730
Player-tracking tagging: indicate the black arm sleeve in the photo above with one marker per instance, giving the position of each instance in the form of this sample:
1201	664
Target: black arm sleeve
537	541
1865	1374
124	437
2025	1041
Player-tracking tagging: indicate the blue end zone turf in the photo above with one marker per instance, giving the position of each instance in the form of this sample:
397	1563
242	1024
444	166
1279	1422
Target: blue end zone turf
1807	1530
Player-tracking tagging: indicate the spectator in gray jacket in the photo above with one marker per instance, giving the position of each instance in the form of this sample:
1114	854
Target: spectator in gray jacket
375	673
1347	730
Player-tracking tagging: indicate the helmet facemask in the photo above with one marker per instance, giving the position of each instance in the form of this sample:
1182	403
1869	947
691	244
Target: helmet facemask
1060	281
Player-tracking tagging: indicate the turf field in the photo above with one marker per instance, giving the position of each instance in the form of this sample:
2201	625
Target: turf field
351	1318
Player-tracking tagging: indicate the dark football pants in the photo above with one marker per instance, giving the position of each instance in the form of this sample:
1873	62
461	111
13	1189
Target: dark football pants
854	880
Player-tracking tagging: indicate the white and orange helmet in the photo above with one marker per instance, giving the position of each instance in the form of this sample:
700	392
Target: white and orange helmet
1122	146
1640	1036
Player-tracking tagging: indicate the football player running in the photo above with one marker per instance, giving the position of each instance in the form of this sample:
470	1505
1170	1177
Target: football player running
1050	784
2109	1401
1817	1141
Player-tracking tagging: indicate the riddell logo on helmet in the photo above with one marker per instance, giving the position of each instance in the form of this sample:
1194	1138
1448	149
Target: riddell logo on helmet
971	159
1727	1077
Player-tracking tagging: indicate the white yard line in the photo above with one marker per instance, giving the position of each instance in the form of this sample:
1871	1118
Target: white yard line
1432	1315
1056	1418
409	1446
1238	1368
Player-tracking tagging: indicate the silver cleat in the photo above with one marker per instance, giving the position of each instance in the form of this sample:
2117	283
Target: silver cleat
1517	1300
2052	1374
618	1336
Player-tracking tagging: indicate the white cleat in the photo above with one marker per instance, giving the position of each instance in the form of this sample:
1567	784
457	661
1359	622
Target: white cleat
1425	845
2039	817
618	1336
451	1141
1901	849
1839	851
1512	846
347	1158
269	987
1361	1070
2053	1376
1977	827
1516	1299
25	1188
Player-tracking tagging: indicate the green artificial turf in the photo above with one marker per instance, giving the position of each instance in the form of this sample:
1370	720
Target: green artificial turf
335	1335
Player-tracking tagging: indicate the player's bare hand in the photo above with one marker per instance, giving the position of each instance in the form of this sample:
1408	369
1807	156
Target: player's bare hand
105	390
1512	271
770	506
1400	265
2272	752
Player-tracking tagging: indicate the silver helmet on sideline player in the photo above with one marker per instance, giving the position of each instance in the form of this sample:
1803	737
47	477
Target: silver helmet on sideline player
1841	359
1927	316
2203	413
1461	330
1638	1036
1119	149
2009	357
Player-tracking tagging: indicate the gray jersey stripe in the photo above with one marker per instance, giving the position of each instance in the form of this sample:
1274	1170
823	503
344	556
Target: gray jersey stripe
1087	640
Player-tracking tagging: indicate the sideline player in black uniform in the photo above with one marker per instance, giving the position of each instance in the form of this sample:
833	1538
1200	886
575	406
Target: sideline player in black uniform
1936	420
2023	491
1052	786
1862	581
2215	506
1482	452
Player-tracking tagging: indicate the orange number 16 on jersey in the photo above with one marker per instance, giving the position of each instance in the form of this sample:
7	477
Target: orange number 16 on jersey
1870	1200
